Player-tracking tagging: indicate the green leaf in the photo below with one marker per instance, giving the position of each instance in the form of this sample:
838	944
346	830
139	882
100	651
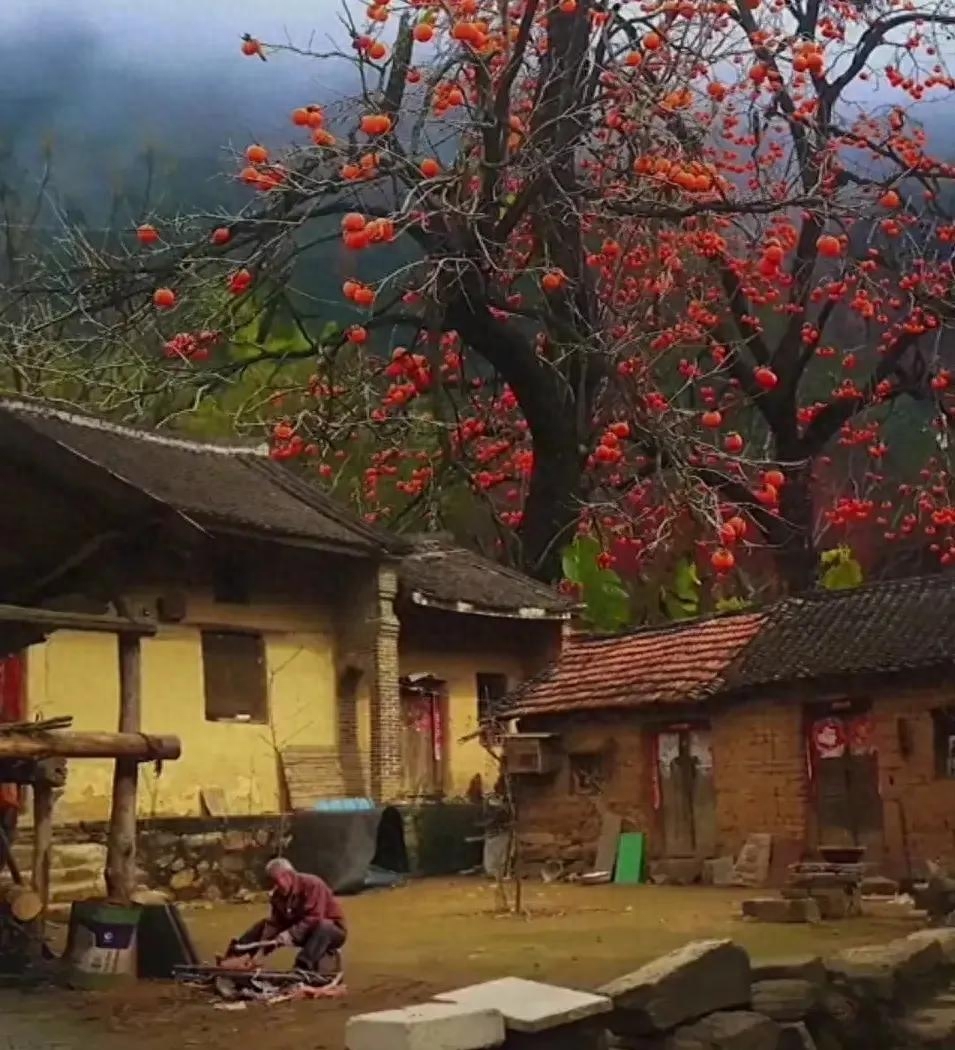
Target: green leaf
681	599
606	601
732	604
841	571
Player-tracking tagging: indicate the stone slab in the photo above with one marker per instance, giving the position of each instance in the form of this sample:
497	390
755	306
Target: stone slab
753	862
780	909
933	1028
430	1026
790	967
728	1030
944	937
685	984
718	871
530	1006
878	886
880	968
785	999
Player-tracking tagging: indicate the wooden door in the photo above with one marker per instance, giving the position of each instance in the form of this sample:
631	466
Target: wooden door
845	772
687	801
422	738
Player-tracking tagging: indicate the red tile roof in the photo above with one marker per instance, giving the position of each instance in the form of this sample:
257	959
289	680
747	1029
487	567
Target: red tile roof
680	663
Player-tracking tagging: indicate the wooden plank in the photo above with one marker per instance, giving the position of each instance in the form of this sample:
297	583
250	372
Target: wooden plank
54	620
67	744
213	801
607	843
121	843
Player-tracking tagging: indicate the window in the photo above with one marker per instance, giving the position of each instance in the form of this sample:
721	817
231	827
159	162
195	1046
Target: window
490	689
233	669
588	773
230	582
944	723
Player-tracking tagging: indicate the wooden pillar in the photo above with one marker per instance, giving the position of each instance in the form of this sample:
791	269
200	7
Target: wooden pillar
42	839
121	850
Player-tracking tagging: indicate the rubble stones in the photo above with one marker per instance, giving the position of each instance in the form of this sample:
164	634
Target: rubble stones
180	880
795	1037
790	967
785	999
728	1030
694	980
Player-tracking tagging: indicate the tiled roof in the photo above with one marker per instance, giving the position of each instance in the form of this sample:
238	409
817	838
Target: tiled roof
893	626
898	625
213	484
453	578
680	663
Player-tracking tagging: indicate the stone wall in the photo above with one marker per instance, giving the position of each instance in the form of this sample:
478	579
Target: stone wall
708	995
196	857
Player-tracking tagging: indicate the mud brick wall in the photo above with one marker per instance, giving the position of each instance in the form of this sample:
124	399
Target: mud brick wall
918	804
759	772
557	824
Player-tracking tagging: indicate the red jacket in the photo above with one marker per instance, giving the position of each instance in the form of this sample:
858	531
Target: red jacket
309	902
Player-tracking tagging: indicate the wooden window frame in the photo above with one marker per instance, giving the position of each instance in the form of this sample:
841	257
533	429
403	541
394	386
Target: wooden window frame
243	703
589	783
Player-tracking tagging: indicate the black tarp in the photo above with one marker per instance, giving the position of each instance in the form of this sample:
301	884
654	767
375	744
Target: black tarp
343	846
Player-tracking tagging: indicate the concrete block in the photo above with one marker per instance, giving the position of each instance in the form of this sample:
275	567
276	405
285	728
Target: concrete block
430	1026
785	999
694	980
790	967
728	1030
779	909
530	1006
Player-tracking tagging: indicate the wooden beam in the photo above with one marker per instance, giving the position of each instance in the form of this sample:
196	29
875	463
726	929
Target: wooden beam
140	747
121	845
55	620
42	840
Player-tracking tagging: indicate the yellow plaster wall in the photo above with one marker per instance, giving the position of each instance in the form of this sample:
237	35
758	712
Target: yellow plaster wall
464	759
77	674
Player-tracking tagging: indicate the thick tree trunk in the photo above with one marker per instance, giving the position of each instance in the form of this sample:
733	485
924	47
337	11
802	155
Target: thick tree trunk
554	501
792	539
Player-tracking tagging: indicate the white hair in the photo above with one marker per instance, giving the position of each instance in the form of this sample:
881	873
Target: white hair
278	864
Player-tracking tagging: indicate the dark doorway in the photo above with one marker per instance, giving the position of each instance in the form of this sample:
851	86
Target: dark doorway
687	801
423	720
844	767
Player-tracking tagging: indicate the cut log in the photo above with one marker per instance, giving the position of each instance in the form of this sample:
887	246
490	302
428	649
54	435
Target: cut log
25	904
63	744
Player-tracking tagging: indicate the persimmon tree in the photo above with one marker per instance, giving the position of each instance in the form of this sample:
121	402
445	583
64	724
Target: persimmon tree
638	269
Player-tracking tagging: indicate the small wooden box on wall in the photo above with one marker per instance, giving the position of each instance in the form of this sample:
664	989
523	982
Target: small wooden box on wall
532	754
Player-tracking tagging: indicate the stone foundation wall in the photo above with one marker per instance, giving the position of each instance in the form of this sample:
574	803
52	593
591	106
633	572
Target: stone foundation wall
197	857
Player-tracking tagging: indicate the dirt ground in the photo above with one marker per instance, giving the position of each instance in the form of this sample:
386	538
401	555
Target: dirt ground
410	942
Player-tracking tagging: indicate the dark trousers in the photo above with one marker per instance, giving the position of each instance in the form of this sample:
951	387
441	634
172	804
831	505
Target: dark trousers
318	942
